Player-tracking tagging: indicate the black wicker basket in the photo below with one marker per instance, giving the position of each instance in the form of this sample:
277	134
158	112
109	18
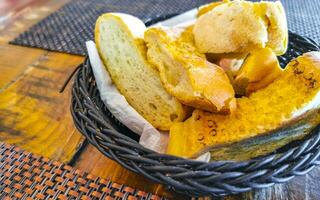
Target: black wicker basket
190	177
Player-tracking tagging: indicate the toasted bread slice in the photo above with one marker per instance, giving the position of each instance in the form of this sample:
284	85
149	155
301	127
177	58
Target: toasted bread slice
241	27
122	49
283	111
186	74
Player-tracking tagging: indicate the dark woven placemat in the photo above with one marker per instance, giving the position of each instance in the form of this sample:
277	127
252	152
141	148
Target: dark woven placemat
27	176
67	29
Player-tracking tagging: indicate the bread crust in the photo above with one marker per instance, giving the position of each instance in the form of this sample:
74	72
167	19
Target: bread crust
288	107
241	27
134	77
186	74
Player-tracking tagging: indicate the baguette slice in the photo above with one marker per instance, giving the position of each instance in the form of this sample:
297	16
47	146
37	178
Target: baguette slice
122	49
186	74
284	111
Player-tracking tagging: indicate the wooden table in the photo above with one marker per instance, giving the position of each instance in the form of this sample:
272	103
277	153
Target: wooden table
36	117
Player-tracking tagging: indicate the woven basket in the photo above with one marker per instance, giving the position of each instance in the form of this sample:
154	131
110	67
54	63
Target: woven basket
189	177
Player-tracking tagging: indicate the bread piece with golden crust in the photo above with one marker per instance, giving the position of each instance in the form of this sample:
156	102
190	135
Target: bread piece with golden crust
241	27
186	74
122	49
285	110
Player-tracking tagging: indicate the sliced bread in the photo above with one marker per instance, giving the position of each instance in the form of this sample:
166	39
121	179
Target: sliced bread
122	49
185	73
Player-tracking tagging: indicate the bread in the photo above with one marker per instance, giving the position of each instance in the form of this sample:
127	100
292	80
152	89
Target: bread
186	74
270	114
208	7
277	26
122	49
241	26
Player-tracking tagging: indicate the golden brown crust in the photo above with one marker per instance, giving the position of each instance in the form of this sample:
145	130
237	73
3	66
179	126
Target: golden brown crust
134	77
186	74
241	27
289	99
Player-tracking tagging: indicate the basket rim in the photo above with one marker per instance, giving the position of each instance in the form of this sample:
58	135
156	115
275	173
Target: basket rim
229	177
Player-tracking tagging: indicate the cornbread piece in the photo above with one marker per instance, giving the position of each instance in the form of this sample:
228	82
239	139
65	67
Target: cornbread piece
186	74
282	112
120	45
260	68
242	26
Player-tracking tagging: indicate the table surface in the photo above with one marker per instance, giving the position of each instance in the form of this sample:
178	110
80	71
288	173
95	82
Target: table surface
36	117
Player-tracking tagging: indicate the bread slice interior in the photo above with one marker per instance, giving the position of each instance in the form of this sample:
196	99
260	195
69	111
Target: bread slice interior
119	42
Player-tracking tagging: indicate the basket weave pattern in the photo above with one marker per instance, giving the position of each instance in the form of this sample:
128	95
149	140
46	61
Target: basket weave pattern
24	175
190	177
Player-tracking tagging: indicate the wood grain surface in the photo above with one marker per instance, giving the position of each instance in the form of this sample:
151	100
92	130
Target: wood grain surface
36	117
